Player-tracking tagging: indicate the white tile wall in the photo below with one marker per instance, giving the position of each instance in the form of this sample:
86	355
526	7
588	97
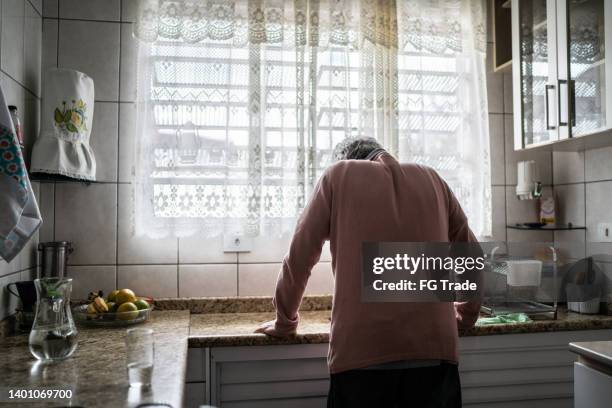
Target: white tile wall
570	203
129	10
38	5
498	206
20	54
497	146
49	44
86	215
598	164
127	141
543	159
199	249
50	8
129	54
598	207
86	279
93	48
104	140
321	280
198	266
208	280
47	211
568	167
257	279
495	85
12	44
149	280
32	39
105	10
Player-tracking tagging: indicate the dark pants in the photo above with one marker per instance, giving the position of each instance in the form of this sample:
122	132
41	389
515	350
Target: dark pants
423	387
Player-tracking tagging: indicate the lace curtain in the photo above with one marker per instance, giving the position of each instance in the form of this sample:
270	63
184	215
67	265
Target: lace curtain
240	104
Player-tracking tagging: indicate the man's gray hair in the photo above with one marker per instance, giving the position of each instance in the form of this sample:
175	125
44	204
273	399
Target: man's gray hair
356	148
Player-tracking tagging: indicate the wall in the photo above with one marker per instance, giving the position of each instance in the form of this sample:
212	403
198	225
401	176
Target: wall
581	183
94	36
20	56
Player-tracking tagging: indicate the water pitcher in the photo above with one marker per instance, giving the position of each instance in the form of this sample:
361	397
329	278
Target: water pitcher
54	334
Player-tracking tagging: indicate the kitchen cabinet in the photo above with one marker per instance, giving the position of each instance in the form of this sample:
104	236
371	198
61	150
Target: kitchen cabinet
562	67
507	370
592	388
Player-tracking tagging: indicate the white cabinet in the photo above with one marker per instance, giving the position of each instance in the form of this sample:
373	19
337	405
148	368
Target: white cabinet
293	376
500	371
562	67
195	387
592	388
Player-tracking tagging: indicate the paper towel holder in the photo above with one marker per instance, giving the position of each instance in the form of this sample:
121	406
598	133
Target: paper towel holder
528	187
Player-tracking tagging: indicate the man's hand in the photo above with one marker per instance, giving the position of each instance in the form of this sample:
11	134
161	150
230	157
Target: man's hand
269	328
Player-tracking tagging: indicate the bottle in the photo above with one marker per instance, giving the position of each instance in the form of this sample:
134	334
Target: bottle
17	124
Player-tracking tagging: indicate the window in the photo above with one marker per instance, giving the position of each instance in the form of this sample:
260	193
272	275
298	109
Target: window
239	113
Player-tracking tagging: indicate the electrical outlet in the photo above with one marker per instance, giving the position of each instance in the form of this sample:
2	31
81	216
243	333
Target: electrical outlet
237	243
604	232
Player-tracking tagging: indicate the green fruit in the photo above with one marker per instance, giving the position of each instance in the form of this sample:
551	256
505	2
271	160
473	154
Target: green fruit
112	307
127	311
141	304
112	297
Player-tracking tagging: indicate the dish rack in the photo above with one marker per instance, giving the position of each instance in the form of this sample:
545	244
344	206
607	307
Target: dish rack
500	305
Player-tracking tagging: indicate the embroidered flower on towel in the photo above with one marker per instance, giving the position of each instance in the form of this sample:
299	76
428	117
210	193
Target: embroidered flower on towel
71	121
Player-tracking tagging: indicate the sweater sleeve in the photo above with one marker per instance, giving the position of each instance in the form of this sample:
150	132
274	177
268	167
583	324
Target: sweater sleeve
310	234
459	231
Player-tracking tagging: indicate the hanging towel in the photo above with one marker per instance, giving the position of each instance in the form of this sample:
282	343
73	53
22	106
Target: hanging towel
20	215
62	147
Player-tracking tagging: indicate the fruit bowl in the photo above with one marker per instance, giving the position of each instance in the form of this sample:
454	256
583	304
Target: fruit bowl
112	319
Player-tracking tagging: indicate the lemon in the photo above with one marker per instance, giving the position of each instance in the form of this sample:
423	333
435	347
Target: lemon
112	296
124	296
127	311
141	304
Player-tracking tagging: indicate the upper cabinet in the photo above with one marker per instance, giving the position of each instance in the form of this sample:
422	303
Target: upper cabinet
560	72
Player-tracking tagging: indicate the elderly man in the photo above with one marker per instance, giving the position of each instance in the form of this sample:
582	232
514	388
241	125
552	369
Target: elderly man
380	354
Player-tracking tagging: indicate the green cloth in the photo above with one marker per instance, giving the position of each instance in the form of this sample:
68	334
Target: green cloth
504	319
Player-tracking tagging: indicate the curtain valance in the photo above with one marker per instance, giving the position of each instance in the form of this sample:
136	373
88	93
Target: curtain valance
293	23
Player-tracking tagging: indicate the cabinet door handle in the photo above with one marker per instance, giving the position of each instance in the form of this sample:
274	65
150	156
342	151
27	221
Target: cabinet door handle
563	102
572	102
547	106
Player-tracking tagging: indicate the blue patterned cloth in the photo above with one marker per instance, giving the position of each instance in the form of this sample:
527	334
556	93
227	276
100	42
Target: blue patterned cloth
20	214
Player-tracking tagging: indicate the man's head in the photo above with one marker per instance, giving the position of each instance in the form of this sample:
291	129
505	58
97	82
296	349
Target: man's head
356	148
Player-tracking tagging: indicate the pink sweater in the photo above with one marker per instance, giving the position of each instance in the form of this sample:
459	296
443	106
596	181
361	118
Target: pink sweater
378	200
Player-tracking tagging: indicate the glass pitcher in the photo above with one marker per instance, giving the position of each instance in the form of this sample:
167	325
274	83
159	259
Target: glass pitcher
54	334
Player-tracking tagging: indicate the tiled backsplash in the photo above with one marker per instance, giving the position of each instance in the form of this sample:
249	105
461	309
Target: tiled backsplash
94	36
20	59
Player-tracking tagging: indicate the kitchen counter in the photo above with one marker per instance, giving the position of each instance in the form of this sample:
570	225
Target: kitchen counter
97	373
597	351
97	370
236	329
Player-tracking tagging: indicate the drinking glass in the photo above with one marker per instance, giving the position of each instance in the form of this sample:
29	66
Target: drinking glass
140	355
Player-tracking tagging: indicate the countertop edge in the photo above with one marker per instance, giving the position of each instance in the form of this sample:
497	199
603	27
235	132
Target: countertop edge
583	349
255	339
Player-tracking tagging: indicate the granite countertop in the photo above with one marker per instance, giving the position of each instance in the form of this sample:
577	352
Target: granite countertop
600	351
97	370
236	329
